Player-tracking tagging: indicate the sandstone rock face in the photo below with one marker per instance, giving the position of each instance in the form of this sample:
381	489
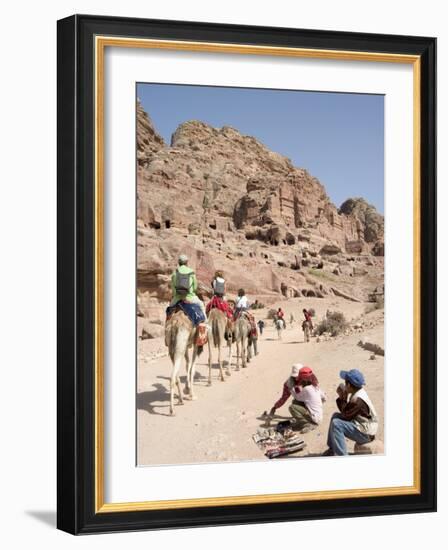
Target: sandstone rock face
378	248
148	140
230	203
371	221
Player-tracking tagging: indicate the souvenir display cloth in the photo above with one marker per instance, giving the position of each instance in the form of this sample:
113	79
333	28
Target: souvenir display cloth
276	443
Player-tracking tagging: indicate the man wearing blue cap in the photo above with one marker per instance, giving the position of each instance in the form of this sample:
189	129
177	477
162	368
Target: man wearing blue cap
357	419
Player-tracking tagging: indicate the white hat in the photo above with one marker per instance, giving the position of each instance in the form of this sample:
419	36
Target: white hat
295	369
183	259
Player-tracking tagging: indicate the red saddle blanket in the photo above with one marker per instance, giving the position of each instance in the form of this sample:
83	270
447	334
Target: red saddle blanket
218	303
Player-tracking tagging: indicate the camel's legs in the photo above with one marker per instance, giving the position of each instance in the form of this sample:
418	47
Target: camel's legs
244	352
174	379
229	360
187	368
220	362
179	390
191	372
209	363
238	354
255	344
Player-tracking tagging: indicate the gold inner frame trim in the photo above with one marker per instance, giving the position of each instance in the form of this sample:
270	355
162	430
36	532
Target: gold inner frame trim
101	42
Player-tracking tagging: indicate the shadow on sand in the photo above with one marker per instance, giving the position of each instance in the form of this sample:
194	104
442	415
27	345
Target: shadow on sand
146	400
159	397
266	423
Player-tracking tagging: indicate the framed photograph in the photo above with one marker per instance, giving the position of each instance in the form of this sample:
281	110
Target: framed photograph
246	274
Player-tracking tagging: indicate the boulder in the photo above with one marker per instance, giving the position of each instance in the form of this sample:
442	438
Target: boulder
378	248
359	271
147	330
330	250
374	447
371	222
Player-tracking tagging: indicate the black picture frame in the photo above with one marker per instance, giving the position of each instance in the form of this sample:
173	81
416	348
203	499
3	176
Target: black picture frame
76	474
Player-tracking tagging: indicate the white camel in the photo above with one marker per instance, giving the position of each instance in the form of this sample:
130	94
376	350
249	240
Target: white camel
279	325
179	337
219	333
241	330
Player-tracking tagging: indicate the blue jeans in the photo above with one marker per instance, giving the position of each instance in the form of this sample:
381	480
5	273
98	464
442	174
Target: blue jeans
339	430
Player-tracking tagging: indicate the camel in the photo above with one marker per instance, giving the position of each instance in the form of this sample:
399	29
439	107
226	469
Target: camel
242	329
220	332
179	337
279	325
306	327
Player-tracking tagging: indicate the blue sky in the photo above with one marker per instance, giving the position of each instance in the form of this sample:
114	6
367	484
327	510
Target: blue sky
339	138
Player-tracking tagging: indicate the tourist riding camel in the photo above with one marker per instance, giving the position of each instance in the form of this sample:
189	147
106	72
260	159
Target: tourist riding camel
241	304
307	325
184	286
308	319
218	300
357	419
306	409
242	307
279	326
219	284
220	320
281	316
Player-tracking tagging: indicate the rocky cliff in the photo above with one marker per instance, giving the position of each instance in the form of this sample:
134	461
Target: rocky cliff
230	203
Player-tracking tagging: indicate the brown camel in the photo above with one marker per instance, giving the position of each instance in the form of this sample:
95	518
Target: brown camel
180	335
220	332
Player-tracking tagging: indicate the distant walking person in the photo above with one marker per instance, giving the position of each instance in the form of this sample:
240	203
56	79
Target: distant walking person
260	326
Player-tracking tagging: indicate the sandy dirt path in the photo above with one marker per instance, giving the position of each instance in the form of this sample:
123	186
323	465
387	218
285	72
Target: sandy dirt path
219	425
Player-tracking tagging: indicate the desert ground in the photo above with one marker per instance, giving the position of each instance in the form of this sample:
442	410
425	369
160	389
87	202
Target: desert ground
218	426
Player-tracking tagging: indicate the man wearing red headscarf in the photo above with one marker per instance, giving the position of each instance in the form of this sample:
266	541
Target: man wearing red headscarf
306	408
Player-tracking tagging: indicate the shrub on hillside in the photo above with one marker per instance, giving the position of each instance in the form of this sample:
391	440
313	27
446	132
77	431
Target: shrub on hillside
272	313
378	304
334	323
257	305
